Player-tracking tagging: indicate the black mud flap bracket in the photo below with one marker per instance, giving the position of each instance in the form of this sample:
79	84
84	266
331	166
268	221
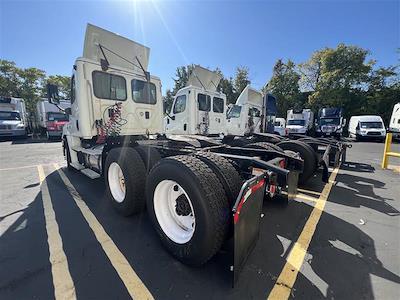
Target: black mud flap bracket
325	164
246	221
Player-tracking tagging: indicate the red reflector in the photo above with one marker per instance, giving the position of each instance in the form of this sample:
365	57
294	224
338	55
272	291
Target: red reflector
282	163
244	198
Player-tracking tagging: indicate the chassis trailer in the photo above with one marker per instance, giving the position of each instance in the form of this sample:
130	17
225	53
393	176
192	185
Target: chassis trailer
248	123
199	192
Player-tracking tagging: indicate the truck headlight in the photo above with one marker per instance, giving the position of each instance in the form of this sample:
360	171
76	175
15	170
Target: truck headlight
20	125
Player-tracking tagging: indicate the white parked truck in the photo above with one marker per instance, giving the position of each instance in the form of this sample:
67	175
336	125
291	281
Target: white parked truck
367	127
394	125
299	121
13	117
280	126
51	118
198	108
198	191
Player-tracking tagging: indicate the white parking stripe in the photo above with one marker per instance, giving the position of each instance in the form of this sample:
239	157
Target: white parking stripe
63	285
133	283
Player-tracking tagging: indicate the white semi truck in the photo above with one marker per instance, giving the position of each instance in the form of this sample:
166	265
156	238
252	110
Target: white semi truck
51	118
299	121
198	191
13	117
250	123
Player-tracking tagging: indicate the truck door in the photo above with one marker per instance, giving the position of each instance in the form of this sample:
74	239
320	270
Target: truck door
217	116
203	113
177	123
253	121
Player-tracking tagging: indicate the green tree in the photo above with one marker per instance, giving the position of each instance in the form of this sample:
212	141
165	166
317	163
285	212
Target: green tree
240	81
9	79
168	100
32	81
63	83
383	92
338	77
226	86
284	85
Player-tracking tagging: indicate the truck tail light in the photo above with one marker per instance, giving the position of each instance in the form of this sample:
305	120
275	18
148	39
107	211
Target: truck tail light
282	163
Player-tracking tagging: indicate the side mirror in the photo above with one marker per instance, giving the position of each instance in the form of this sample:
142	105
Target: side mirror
52	93
68	111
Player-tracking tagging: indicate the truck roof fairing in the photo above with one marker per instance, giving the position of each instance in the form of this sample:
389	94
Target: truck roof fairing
204	78
119	51
250	95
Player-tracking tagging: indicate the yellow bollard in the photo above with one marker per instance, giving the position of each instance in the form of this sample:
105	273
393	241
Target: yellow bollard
388	143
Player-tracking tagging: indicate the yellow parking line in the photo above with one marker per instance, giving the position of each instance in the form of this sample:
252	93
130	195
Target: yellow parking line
287	278
305	197
63	285
133	283
309	192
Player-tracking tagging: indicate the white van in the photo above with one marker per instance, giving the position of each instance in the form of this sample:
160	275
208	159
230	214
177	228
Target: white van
280	126
363	127
394	125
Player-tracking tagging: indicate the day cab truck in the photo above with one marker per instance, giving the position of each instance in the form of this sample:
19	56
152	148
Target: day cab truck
330	122
198	191
51	118
394	124
13	117
250	123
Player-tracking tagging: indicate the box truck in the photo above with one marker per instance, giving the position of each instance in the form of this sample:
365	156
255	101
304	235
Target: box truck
13	117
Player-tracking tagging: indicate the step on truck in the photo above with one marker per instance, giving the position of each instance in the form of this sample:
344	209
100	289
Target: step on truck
199	192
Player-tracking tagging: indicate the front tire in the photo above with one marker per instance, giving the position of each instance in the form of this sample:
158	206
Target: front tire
125	176
188	208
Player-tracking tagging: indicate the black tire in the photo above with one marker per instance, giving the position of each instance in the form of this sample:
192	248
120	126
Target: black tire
306	154
149	155
226	173
134	173
265	145
209	202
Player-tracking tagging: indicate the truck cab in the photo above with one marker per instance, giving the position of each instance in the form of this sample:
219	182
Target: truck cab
13	117
330	122
246	116
299	121
198	108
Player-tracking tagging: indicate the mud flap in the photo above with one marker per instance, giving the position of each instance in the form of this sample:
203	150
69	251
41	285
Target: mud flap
325	164
246	221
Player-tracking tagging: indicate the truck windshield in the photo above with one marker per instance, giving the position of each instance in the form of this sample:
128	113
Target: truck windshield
371	125
9	115
234	112
330	121
57	117
296	122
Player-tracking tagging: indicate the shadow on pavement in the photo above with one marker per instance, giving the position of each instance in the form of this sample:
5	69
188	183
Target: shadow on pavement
341	259
25	270
357	167
356	191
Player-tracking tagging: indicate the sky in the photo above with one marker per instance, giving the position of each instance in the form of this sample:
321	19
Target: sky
225	34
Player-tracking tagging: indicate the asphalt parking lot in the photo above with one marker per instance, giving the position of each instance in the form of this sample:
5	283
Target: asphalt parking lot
340	240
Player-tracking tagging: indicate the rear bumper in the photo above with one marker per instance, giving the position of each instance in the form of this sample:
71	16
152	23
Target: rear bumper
12	132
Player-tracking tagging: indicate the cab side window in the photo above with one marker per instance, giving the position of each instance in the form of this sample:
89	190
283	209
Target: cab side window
109	86
204	102
180	104
218	105
254	112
